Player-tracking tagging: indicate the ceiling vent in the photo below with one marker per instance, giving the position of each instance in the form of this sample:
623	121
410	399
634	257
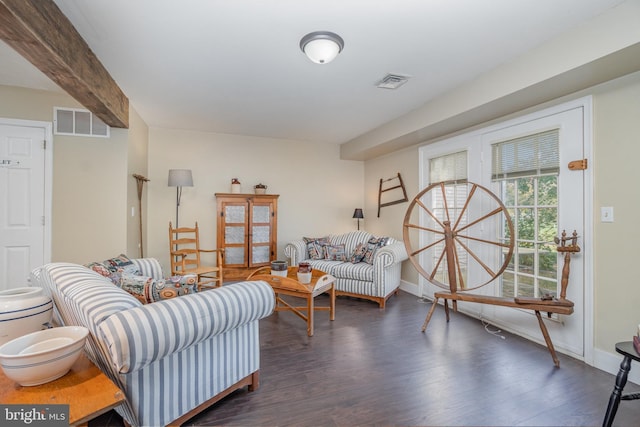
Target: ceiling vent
392	81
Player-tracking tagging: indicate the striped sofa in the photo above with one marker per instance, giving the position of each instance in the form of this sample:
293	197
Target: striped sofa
375	282
171	358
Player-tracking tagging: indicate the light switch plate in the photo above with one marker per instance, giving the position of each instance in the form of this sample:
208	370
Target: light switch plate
606	214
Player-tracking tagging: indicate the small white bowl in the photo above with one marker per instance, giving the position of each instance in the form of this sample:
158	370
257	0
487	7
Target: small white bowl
42	356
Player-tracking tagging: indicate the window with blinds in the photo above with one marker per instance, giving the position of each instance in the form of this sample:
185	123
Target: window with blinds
531	155
526	170
450	167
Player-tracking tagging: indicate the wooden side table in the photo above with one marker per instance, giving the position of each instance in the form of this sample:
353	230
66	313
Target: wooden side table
629	352
86	390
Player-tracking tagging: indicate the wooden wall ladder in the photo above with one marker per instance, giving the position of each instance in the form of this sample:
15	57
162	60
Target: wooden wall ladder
399	184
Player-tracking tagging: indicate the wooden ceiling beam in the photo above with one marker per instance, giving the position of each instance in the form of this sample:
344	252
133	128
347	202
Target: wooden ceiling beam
42	34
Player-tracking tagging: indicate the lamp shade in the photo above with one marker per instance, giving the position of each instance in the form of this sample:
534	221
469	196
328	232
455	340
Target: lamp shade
321	47
180	178
358	213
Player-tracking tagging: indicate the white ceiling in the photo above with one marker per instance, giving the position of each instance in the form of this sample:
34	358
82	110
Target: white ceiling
235	66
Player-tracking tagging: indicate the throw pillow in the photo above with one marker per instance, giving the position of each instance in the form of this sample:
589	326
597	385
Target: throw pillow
121	264
335	253
315	246
373	245
148	290
358	253
102	270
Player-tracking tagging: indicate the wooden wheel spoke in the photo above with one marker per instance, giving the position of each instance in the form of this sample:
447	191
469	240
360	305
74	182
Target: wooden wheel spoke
489	242
427	247
431	214
444	201
466	205
477	258
418	227
435	269
482	218
461	283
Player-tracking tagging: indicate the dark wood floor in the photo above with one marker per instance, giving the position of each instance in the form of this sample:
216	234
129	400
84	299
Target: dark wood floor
374	367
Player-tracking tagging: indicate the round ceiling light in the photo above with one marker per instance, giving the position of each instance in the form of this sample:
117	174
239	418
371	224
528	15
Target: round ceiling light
322	46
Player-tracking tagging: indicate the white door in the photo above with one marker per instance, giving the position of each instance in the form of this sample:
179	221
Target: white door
22	208
562	211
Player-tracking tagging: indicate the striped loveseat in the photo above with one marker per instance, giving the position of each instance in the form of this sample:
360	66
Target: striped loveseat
375	281
171	358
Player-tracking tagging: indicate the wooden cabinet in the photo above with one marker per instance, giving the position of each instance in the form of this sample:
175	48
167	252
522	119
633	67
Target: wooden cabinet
247	232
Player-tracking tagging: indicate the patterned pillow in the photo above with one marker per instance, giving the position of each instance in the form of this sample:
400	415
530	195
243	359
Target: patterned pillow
102	270
373	245
147	289
358	253
121	264
335	253
315	246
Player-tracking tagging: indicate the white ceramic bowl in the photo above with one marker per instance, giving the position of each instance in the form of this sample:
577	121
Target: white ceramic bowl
42	356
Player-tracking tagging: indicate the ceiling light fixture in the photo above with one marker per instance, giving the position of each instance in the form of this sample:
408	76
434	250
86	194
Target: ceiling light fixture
322	46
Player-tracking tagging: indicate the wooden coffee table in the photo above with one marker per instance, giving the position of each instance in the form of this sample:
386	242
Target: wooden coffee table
321	282
86	390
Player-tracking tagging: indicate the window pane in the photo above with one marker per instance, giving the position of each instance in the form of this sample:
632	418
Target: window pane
509	198
548	190
547	262
526	194
547	287
526	258
508	285
547	224
526	287
525	224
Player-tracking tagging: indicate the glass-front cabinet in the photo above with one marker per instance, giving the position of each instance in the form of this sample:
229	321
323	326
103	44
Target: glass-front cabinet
247	232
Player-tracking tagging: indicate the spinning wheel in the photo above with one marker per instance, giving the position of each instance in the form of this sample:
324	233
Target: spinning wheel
458	235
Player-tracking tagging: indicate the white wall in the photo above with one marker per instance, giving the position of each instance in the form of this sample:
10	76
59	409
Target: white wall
137	160
318	191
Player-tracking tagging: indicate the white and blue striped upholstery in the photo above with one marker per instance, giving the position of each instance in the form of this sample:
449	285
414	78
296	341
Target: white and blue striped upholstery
149	267
170	356
377	280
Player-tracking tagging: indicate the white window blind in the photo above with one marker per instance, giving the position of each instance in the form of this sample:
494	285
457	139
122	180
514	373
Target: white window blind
531	155
450	167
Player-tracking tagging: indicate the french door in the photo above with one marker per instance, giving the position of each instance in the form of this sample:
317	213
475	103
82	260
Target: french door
543	201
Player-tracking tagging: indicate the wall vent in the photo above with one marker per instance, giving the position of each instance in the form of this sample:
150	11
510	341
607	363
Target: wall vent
392	81
74	121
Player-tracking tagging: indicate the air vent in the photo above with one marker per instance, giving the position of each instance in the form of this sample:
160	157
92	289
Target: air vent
392	81
73	121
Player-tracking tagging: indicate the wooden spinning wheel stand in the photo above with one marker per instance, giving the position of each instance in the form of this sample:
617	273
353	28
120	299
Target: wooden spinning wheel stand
455	236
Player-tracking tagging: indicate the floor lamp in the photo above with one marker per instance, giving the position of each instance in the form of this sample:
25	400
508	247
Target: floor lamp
179	178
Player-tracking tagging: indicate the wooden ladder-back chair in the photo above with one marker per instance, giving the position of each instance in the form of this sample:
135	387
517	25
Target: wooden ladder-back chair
184	246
